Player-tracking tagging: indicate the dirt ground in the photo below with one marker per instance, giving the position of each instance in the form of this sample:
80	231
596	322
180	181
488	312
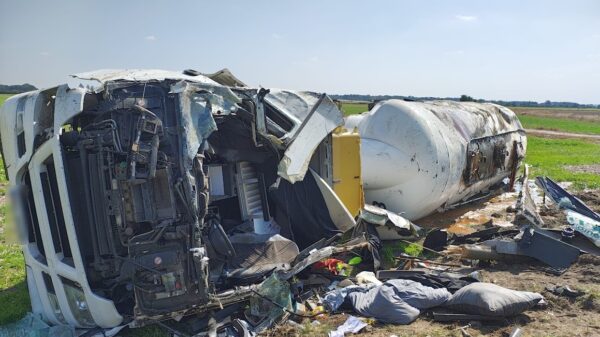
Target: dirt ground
561	317
576	114
561	134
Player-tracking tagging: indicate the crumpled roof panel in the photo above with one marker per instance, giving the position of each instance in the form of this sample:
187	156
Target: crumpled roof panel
107	75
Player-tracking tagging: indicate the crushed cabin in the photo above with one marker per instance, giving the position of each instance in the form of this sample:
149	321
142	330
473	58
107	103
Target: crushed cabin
131	196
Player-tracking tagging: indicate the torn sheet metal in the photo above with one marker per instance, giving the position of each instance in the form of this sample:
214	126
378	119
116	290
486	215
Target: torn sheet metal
223	100
309	129
338	212
584	243
198	104
389	225
258	254
69	102
138	75
540	246
225	77
565	199
525	207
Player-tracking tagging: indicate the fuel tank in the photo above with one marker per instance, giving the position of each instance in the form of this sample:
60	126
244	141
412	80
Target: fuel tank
419	157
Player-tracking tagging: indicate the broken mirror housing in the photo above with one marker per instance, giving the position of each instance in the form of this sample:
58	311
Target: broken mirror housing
140	198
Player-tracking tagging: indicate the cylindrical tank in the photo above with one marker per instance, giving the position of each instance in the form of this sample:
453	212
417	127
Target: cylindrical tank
418	157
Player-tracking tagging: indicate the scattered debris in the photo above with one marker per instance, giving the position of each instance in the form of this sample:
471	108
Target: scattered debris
210	208
590	228
564	291
565	199
529	242
525	208
352	325
517	332
453	317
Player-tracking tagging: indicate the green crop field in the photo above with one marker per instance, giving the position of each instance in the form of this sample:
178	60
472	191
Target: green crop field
354	108
553	157
560	124
13	288
3	98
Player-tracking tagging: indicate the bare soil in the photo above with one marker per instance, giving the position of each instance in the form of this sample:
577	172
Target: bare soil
560	134
562	316
577	114
593	168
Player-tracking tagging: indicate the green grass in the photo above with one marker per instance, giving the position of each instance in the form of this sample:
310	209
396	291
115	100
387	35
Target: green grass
13	288
393	249
549	157
560	124
354	108
3	98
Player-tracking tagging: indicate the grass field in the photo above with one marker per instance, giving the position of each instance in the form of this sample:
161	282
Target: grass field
13	288
3	98
354	108
572	114
549	157
560	124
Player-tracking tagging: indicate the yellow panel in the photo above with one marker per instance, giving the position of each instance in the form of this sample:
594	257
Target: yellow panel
347	180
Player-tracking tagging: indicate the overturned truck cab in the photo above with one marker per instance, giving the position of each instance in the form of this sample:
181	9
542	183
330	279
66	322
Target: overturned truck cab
141	199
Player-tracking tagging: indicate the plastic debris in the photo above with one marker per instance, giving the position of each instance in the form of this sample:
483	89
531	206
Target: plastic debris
586	226
367	277
352	325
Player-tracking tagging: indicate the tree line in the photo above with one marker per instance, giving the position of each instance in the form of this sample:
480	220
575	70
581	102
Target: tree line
466	98
16	89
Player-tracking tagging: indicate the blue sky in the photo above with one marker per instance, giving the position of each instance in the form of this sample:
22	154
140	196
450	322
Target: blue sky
521	50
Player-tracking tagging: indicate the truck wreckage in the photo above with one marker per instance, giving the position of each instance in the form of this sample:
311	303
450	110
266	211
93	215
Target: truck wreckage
160	195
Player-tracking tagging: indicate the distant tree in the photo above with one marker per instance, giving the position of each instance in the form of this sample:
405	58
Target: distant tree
466	98
16	89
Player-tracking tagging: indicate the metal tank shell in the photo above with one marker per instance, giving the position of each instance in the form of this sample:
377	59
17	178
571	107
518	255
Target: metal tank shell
418	157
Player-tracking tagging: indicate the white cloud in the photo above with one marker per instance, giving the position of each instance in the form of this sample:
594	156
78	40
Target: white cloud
276	36
314	59
150	38
466	18
45	53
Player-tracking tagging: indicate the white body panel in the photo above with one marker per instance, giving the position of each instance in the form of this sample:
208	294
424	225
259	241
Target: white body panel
103	311
414	154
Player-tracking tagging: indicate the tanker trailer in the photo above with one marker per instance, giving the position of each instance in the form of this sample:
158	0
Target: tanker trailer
419	157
